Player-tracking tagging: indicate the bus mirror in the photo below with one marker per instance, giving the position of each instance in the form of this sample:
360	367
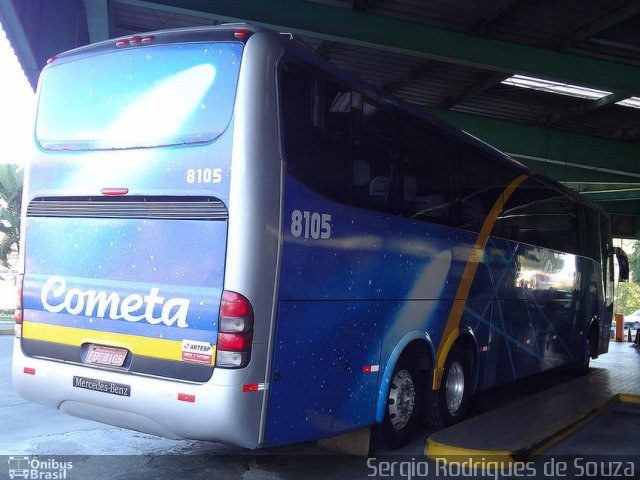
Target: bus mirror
623	264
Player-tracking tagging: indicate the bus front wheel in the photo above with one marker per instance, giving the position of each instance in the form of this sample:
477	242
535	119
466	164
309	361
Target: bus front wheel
449	404
403	405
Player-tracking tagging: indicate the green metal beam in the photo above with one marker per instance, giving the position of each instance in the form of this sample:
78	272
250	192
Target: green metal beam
587	107
621	207
631	194
384	33
593	188
98	20
582	151
577	178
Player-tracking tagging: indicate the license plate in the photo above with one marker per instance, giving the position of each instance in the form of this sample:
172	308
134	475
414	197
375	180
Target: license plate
112	357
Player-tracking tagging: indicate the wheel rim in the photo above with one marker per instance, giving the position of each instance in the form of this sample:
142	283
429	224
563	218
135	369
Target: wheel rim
402	399
454	388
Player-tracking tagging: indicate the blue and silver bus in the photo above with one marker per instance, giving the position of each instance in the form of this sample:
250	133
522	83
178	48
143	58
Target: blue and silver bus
226	238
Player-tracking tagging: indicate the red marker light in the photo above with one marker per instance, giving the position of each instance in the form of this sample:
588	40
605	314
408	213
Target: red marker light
185	397
29	371
242	34
114	191
52	59
135	40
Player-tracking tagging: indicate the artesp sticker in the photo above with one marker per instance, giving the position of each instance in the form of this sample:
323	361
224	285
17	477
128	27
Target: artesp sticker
197	352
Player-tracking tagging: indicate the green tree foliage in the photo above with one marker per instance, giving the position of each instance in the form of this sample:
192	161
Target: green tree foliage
634	264
627	297
11	178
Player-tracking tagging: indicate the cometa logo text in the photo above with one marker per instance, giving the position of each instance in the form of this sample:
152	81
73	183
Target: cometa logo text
56	298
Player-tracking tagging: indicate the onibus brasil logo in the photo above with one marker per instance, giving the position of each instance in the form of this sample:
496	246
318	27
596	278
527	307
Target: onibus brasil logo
37	469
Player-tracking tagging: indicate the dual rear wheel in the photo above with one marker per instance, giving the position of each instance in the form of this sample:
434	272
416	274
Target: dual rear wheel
411	398
450	403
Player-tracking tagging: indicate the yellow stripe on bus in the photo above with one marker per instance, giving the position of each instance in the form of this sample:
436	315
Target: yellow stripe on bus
146	346
451	328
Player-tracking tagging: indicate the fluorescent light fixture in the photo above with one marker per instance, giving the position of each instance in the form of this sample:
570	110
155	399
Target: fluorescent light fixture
523	81
633	102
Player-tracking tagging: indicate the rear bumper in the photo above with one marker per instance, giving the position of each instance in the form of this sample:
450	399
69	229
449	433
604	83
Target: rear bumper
221	411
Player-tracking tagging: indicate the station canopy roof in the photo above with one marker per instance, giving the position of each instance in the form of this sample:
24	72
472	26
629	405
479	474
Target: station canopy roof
554	83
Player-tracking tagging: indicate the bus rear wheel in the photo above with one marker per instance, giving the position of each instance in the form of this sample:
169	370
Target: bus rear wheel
450	403
403	405
581	367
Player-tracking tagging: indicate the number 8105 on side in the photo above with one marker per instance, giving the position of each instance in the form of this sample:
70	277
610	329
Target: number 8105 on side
310	225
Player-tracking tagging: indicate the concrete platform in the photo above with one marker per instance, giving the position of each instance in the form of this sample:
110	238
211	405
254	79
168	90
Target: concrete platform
524	428
614	431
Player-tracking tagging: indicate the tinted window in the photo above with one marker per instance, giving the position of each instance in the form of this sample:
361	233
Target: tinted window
372	156
429	161
139	97
315	139
482	181
336	141
589	233
518	219
557	220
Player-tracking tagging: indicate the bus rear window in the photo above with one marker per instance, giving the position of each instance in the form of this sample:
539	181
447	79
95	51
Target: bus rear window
139	97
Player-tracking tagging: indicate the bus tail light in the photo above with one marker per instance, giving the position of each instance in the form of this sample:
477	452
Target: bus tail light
235	331
19	309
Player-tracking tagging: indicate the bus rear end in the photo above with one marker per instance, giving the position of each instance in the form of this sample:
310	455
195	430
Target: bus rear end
124	317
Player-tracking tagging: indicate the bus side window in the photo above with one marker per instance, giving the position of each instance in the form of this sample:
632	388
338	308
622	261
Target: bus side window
428	163
482	182
557	216
314	140
372	156
518	220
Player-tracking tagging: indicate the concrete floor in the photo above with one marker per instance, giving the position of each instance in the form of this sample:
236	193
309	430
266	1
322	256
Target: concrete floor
102	452
531	424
